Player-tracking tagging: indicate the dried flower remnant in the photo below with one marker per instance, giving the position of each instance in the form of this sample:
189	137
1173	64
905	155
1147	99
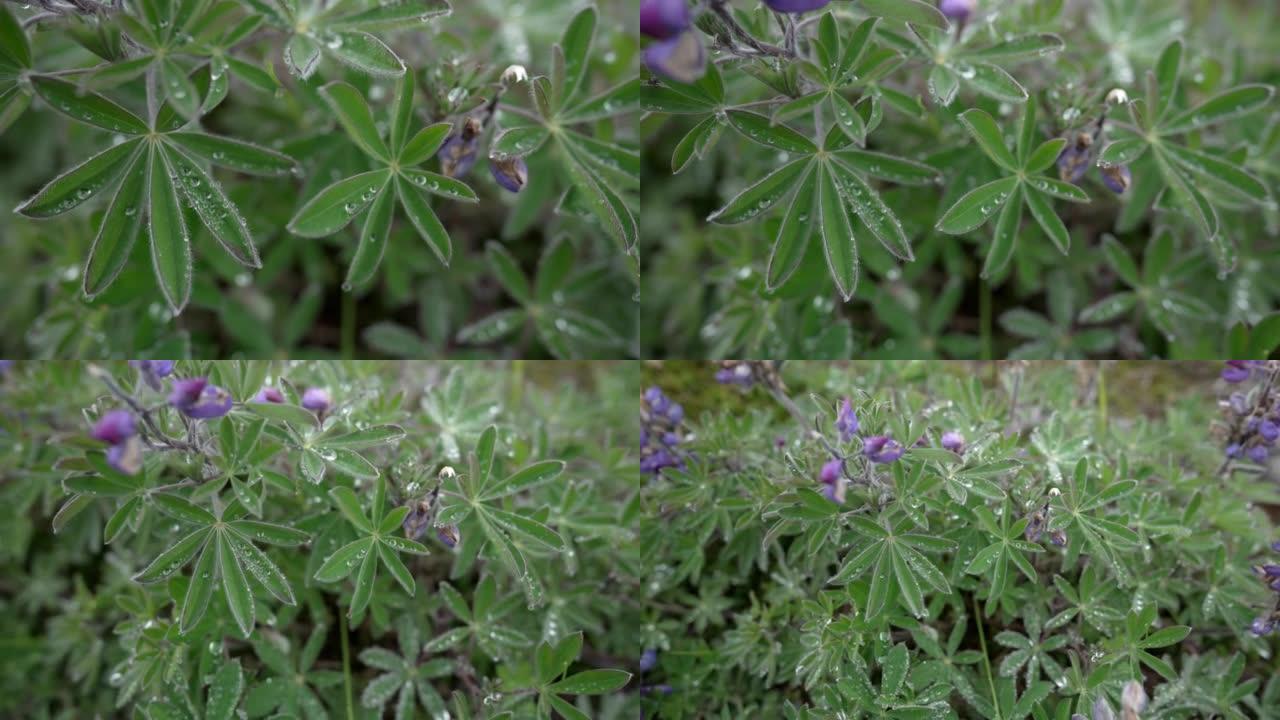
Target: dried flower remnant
458	154
196	398
512	173
1117	178
448	534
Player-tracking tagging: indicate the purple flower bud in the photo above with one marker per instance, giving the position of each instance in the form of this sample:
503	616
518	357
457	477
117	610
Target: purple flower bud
833	492
269	395
316	400
1262	626
1133	699
1269	430
115	427
675	413
448	535
795	6
1233	450
681	58
1236	371
458	153
1257	453
1276	546
830	472
1035	527
126	456
417	521
664	19
953	441
846	421
153	370
648	659
1074	159
670	439
196	398
1117	178
511	173
1058	537
657	400
958	10
882	449
1268	570
1102	710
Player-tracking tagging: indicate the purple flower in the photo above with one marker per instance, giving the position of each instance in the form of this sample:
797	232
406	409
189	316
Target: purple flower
830	472
511	173
1262	626
196	398
664	19
316	400
126	457
882	449
735	374
795	6
1117	178
417	521
269	395
1257	453
1058	537
660	435
153	370
1237	371
1074	159
115	427
681	58
1233	450
958	10
1276	546
1035	527
953	441
648	659
448	535
833	492
1269	430
846	421
458	153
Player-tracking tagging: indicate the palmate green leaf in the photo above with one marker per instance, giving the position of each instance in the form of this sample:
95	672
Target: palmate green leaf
260	566
363	52
373	239
841	250
527	528
424	220
1215	168
167	231
81	182
87	107
119	230
334	207
872	211
1025	47
200	589
888	167
984	130
234	154
353	114
762	195
344	560
213	207
605	205
169	562
793	235
973	209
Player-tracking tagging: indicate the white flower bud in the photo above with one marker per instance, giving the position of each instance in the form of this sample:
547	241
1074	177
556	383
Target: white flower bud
514	74
1117	97
448	473
1054	492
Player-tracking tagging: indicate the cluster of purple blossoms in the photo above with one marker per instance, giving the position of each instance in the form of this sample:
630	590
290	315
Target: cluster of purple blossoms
676	52
846	421
660	420
197	399
1270	575
153	371
458	155
118	429
1254	428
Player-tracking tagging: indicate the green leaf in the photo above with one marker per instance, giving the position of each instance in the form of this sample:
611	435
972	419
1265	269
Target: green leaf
224	691
373	239
424	220
283	413
344	560
179	89
1211	166
353	114
576	44
1122	151
793	235
756	127
623	99
1043	157
878	595
214	208
350	462
1006	236
508	273
888	167
1232	103
86	107
363	52
493	327
984	129
912	11
908	587
182	509
364	583
554	268
174	559
760	196
200	589
1025	47
993	82
13	40
170	244
349	505
235	586
875	214
527	528
837	235
440	185
1058	188
397	569
973	209
399	15
848	118
695	143
893	669
367	437
303	55
943	84
98	486
81	182
603	203
235	154
592	682
270	533
1167	68
260	566
1042	210
1165	636
334	207
424	144
519	141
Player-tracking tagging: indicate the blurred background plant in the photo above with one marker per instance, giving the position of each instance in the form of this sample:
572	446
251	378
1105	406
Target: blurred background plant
441	539
743	259
253	72
1050	543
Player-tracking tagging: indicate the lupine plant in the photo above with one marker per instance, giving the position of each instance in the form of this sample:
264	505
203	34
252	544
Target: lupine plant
963	540
199	165
821	173
311	540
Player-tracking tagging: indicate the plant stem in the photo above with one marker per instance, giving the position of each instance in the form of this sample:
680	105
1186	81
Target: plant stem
986	659
348	325
984	313
346	665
